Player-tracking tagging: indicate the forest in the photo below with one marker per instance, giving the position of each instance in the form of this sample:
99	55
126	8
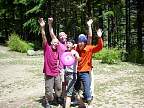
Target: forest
122	22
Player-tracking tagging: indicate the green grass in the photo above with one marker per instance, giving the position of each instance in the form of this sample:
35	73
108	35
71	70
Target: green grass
15	43
109	56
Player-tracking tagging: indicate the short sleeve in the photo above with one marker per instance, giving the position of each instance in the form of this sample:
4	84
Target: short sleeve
46	46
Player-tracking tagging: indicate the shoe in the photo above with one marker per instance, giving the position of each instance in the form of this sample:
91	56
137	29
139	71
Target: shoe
88	102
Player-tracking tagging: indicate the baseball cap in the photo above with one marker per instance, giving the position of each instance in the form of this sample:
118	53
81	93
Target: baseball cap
82	38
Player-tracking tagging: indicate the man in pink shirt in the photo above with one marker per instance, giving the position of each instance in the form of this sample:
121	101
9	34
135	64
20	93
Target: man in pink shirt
61	48
51	67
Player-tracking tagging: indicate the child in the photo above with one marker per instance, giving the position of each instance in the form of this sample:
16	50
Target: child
70	72
50	70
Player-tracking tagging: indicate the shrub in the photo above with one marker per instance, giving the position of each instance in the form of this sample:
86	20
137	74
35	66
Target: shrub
17	44
109	56
124	55
136	56
100	55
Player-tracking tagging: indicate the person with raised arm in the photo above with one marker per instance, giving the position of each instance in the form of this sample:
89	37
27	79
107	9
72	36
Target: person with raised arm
50	69
85	64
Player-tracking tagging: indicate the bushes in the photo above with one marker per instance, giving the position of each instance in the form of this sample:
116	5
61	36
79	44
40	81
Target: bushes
136	56
109	56
112	56
17	44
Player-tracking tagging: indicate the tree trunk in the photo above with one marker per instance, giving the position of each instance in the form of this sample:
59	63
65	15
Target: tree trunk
140	5
127	26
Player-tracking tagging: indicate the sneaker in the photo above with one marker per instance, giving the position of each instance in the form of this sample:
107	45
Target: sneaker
88	102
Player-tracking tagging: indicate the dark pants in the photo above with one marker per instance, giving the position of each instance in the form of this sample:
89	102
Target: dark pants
50	84
84	77
70	79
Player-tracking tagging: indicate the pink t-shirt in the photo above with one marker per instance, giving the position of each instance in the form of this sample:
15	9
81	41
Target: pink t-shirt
51	61
61	49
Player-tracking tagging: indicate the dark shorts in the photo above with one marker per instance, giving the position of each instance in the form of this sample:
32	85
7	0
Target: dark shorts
70	78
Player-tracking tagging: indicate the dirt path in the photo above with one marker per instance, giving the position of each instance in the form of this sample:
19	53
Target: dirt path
22	82
21	78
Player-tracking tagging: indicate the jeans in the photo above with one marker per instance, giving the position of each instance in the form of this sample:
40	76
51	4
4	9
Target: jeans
84	77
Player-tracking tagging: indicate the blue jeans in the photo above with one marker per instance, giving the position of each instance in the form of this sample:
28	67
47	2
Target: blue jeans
84	77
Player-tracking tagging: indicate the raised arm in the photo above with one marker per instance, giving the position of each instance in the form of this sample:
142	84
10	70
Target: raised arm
50	21
42	27
89	23
99	45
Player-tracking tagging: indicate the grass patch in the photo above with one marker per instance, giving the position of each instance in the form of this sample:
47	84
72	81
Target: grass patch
17	44
109	56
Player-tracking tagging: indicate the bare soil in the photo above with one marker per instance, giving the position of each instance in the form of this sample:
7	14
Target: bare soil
22	82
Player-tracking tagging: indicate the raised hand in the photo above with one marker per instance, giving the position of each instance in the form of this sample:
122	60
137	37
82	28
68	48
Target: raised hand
89	22
41	22
50	20
99	32
51	31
